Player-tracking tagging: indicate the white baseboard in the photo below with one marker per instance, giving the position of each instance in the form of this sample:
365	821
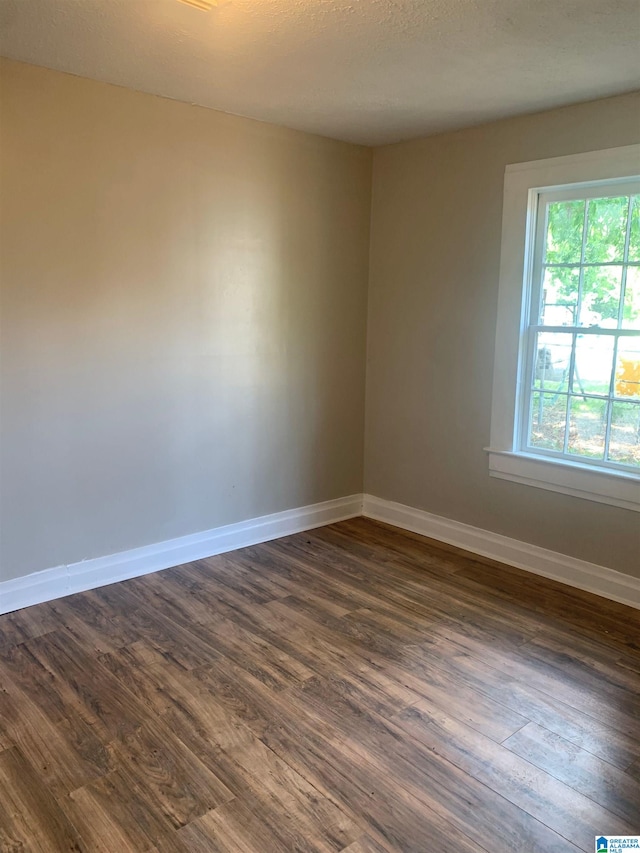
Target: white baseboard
559	567
90	574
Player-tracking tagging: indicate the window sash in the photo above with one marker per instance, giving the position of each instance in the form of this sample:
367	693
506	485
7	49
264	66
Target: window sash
540	199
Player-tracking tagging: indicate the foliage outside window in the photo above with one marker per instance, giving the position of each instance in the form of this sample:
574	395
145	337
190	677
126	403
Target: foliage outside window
583	351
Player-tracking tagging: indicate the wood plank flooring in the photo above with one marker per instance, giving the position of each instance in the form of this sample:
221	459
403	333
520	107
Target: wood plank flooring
354	688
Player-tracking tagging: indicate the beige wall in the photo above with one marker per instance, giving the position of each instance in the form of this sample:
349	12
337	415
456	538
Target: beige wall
183	318
437	207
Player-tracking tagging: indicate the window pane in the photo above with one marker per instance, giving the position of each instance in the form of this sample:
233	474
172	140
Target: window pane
553	353
601	287
587	427
606	229
559	299
634	236
594	360
547	421
627	382
631	310
624	441
565	221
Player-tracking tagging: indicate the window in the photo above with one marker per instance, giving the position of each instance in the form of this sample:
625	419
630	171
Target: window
581	382
566	403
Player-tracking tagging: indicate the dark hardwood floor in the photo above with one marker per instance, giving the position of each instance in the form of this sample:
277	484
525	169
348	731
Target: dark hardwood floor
354	689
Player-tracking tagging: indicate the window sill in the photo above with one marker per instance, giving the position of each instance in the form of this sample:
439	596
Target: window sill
617	488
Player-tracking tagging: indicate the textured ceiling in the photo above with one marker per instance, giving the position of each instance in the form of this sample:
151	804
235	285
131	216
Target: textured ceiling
367	71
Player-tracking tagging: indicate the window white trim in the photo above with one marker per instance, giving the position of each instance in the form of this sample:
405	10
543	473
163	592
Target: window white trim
523	181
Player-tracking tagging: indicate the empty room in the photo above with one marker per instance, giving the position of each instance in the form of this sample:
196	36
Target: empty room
319	426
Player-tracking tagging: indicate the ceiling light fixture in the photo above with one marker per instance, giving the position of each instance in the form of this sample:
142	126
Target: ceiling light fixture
205	5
